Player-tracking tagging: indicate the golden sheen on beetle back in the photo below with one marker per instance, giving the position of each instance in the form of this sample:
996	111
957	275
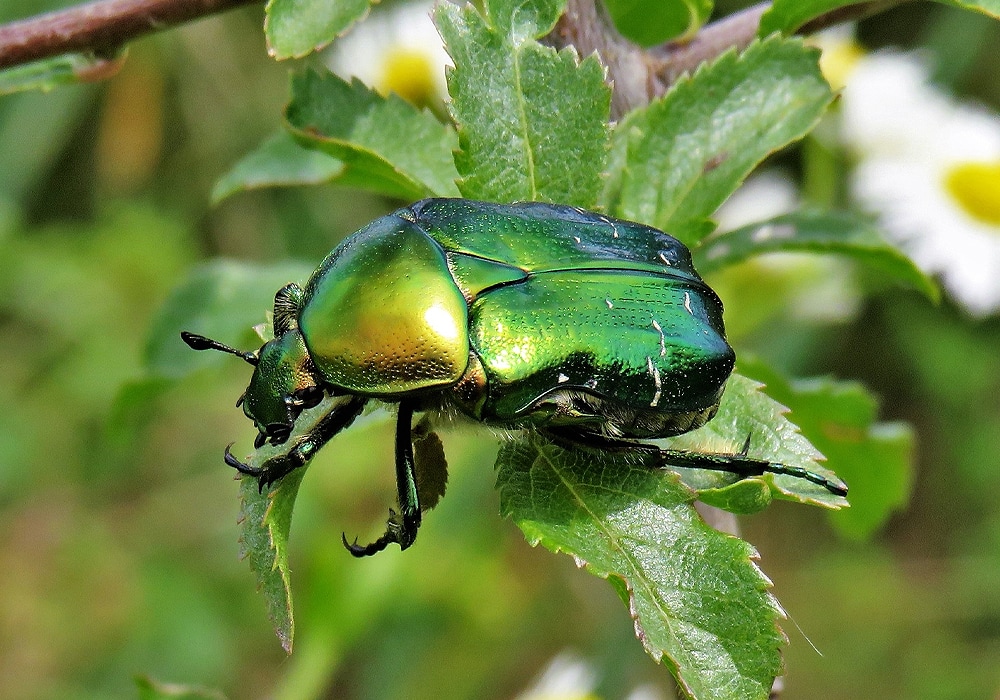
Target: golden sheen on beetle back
385	316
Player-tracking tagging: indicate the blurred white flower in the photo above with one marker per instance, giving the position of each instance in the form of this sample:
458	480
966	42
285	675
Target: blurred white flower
816	287
395	50
763	196
567	677
930	168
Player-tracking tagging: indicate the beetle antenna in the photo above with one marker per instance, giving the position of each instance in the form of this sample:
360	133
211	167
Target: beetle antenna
200	342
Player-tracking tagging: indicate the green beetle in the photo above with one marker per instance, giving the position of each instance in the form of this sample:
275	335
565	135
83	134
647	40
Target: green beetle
595	331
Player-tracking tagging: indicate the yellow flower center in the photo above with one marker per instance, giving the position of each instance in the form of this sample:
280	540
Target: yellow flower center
408	72
838	61
976	188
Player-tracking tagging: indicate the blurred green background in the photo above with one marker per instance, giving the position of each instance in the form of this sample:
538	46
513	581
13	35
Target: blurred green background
118	518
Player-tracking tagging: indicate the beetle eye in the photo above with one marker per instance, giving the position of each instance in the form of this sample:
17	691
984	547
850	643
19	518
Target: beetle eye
278	432
309	397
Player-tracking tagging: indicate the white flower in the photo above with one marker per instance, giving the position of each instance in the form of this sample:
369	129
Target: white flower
930	168
815	287
764	195
395	50
567	677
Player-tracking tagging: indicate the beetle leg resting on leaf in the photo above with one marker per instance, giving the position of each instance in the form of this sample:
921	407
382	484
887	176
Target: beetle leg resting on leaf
401	528
305	448
739	463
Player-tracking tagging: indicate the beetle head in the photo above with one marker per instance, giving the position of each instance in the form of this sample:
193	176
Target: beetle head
284	383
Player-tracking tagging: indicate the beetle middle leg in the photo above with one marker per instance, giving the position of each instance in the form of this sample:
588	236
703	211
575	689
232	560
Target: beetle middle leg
740	463
402	527
305	447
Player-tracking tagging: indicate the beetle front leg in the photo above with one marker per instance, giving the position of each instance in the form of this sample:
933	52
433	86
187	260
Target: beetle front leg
400	528
304	448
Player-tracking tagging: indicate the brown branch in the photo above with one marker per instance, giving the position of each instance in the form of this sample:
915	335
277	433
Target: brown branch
735	31
100	27
639	75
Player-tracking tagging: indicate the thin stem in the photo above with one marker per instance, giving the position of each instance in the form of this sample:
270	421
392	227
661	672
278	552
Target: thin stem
639	75
100	27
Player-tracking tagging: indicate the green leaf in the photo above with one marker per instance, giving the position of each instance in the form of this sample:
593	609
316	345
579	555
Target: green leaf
150	689
279	162
295	28
676	160
265	520
430	466
532	122
51	73
222	299
746	411
386	144
700	604
786	16
840	418
987	7
648	23
839	233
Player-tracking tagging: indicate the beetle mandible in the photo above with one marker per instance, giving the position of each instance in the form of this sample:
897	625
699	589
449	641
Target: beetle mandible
595	331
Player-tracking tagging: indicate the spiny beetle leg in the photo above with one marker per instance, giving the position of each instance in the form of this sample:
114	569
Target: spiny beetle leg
266	474
339	417
739	463
402	533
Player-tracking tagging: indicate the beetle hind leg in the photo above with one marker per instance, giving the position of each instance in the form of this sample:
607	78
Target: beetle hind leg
740	463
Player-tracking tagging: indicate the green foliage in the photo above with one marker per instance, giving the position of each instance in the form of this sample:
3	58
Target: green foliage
652	23
532	122
815	232
788	15
386	144
265	519
119	536
674	162
746	411
680	579
150	689
223	298
840	418
278	162
294	28
58	71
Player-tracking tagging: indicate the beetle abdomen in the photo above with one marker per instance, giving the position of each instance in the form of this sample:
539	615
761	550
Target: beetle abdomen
650	342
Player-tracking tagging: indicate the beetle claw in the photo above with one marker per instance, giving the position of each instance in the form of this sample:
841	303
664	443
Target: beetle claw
366	550
393	531
242	468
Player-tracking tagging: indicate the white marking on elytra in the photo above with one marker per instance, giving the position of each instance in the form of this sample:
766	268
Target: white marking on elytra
655	371
576	238
562	378
663	342
687	302
609	303
665	260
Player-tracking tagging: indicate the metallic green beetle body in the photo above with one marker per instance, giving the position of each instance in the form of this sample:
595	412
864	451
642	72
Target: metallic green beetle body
594	330
552	302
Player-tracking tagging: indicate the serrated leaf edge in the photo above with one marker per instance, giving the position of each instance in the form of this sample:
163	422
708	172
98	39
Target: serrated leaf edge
661	656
